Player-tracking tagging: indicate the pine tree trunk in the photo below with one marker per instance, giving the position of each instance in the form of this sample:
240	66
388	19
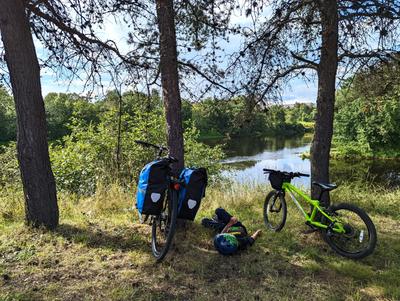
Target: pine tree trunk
33	155
170	80
327	70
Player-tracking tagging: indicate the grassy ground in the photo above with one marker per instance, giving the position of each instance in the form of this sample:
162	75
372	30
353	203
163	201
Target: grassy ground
100	251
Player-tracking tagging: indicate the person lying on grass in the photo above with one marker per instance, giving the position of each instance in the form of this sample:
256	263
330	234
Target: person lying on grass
232	235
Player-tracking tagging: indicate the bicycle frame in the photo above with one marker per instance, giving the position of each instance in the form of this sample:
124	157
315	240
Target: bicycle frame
293	191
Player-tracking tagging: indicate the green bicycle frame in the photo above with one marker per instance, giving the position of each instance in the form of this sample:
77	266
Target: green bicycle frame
293	191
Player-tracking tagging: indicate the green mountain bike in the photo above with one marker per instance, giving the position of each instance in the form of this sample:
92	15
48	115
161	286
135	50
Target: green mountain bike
347	229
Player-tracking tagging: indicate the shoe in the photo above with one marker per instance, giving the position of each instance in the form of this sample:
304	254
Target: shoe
212	224
215	218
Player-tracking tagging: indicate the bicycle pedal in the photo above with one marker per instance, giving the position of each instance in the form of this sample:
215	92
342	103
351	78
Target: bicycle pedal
311	230
329	233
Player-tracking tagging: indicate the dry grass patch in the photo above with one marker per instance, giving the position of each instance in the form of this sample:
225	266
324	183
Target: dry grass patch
101	252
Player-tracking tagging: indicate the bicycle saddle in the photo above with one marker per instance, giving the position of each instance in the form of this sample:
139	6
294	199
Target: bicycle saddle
325	186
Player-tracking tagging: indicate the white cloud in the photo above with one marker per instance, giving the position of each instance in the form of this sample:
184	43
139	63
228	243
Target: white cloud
300	91
116	31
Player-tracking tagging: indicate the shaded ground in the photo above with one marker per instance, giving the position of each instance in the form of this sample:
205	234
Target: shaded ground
101	252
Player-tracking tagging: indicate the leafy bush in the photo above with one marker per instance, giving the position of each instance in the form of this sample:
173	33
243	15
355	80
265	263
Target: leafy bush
88	156
198	154
9	172
367	121
7	116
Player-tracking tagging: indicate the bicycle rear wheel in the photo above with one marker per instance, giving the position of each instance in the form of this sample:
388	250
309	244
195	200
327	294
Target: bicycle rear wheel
275	210
360	237
163	228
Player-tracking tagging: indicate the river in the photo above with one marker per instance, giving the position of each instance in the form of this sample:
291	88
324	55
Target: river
247	156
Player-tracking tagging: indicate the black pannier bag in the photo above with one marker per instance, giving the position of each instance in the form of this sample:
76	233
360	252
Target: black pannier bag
152	185
191	192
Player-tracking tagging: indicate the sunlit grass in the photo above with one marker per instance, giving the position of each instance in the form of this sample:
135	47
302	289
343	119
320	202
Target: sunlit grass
100	251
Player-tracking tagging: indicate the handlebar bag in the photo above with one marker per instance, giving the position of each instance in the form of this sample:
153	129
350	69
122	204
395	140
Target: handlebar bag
152	185
277	179
192	192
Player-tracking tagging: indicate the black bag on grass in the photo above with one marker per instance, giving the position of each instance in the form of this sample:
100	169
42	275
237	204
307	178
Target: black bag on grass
152	185
192	192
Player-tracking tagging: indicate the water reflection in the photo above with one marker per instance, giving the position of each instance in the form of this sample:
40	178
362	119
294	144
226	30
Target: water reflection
246	157
385	173
249	146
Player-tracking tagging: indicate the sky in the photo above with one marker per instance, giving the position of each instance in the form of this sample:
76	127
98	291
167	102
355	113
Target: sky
296	91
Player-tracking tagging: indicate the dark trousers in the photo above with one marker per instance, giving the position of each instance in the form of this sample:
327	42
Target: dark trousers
224	217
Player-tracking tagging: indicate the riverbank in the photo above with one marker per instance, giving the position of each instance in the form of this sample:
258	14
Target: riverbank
308	126
100	251
287	130
357	153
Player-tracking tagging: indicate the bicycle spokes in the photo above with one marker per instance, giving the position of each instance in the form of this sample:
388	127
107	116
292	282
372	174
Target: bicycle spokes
276	206
355	237
275	211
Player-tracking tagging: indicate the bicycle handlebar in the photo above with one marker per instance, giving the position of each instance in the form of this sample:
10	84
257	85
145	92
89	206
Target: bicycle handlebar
303	174
172	159
290	174
159	148
147	144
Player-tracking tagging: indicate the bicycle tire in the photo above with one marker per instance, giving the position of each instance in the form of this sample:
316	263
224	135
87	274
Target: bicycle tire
272	197
333	239
169	213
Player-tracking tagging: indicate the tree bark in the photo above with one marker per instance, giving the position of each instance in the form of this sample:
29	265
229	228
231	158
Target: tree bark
33	155
170	80
327	70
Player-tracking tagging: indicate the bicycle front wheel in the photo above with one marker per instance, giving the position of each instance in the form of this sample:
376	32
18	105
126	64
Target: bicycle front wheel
275	210
163	228
359	239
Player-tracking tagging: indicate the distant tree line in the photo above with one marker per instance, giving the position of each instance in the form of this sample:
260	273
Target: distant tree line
211	117
230	118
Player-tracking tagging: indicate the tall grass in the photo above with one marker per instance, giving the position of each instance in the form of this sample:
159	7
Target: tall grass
100	251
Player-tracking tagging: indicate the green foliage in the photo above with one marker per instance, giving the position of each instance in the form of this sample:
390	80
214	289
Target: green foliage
200	155
367	121
235	117
61	107
87	154
212	117
300	112
278	124
7	116
9	172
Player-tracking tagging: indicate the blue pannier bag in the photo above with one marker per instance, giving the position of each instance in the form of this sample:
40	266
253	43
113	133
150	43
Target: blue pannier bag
191	192
153	181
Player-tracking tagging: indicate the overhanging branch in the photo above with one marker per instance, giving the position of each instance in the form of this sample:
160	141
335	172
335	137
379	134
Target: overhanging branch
281	75
312	64
73	32
205	76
